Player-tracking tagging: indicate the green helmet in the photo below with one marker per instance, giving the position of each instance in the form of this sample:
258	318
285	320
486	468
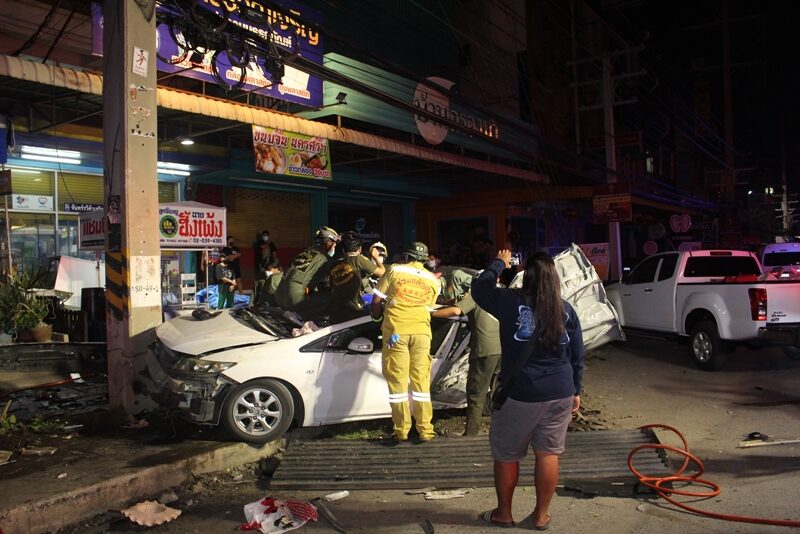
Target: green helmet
418	250
326	232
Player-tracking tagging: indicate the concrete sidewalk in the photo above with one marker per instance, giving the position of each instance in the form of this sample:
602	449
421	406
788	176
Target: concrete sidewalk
89	475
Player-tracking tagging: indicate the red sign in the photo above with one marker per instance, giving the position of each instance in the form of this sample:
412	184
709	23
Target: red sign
612	203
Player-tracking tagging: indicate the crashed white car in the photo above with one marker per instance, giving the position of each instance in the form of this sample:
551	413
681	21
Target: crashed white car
243	369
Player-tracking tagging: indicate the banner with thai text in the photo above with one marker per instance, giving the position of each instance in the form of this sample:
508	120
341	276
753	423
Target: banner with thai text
284	27
291	154
191	225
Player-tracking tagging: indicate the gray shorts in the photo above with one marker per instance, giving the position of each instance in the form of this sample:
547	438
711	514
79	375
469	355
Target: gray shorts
541	425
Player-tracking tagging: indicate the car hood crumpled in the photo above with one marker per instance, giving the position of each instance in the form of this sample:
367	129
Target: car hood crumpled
187	335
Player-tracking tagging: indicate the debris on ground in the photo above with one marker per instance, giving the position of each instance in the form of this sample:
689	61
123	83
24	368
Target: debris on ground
446	494
336	495
757	439
421	491
274	515
150	513
38	451
5	457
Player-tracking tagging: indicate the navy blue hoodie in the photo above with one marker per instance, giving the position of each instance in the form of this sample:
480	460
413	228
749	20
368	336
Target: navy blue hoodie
548	375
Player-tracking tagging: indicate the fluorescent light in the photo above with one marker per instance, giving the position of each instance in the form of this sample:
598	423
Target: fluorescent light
53	159
173	172
170	165
24	171
187	141
52	152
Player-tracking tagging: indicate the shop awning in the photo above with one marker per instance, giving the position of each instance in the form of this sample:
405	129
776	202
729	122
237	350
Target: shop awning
168	98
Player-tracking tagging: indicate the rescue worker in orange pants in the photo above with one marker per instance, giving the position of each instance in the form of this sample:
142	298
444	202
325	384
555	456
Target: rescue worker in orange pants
409	292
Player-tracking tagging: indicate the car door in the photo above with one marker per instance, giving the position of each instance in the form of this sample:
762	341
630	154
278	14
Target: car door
635	294
661	314
350	385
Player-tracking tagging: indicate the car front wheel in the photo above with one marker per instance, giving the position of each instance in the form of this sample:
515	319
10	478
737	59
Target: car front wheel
258	411
705	346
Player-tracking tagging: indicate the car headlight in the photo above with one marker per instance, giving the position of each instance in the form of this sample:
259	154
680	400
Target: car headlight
196	365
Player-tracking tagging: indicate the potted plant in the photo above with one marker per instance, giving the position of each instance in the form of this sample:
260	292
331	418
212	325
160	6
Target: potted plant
21	311
30	316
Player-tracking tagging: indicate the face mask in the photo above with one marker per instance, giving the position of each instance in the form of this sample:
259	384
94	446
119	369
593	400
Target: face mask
269	273
265	238
331	251
431	264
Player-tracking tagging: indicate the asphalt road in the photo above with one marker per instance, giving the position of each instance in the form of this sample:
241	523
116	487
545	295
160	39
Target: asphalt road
640	381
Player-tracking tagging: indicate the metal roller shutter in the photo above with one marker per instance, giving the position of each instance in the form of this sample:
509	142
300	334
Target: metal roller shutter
287	216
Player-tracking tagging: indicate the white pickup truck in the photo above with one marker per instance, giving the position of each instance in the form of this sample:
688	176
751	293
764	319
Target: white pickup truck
716	297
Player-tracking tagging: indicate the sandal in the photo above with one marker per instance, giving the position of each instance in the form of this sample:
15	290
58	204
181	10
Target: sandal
487	518
545	526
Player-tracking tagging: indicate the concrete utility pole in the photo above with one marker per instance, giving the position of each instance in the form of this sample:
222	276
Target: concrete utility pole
133	292
614	248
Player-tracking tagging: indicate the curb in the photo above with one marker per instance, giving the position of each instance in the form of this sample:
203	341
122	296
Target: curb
57	511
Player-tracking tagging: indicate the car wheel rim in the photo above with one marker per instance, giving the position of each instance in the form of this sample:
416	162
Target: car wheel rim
702	347
257	411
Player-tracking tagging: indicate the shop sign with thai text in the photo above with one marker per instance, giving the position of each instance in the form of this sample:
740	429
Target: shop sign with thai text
291	28
291	154
75	207
92	231
191	225
612	203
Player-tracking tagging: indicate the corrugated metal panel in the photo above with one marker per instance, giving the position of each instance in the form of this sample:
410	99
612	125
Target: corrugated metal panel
79	188
202	105
166	192
454	462
286	215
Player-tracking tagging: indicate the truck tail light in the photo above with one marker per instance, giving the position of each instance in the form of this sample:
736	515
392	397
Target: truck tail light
758	303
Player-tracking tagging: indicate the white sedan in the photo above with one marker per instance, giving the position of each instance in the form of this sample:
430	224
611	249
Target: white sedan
244	369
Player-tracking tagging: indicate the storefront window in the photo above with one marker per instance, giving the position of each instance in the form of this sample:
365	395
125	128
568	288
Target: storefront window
28	186
68	239
32	240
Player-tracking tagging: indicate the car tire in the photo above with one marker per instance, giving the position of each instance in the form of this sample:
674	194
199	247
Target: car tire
258	411
705	346
791	351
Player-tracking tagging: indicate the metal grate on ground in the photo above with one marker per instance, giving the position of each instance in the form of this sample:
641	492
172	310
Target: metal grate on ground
455	462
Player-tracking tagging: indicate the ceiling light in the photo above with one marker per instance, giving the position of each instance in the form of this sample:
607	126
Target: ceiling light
187	141
16	170
52	152
52	159
170	165
173	172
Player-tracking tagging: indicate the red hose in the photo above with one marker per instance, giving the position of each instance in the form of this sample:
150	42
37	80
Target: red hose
713	489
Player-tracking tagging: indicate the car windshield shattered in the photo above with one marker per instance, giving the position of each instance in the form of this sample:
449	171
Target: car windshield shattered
264	321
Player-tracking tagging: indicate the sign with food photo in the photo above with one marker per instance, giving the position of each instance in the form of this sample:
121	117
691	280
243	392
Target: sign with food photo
291	154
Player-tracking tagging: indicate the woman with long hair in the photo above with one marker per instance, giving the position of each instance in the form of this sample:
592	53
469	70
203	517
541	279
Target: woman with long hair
541	371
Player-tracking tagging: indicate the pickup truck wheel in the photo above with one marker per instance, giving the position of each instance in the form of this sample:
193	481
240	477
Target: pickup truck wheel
258	411
705	347
792	351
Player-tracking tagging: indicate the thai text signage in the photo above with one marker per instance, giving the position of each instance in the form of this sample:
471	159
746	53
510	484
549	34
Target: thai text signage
75	207
612	203
191	225
92	231
289	33
429	99
281	152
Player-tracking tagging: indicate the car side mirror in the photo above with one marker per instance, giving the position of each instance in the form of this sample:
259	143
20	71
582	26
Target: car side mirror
360	345
626	278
